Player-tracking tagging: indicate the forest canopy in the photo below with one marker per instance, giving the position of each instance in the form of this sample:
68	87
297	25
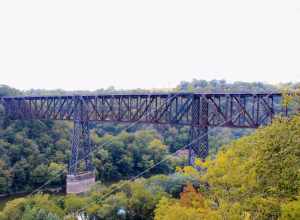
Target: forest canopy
248	175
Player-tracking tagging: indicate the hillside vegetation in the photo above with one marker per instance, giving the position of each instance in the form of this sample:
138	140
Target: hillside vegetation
254	175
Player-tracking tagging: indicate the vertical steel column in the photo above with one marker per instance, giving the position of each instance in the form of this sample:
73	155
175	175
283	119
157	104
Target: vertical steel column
199	129
86	146
75	138
80	136
194	130
204	147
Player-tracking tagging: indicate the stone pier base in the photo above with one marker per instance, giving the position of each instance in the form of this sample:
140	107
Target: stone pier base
80	183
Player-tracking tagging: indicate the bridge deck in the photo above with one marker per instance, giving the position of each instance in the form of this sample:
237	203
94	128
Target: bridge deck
241	110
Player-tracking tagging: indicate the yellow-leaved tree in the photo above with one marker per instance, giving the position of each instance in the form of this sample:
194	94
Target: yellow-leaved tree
191	205
254	177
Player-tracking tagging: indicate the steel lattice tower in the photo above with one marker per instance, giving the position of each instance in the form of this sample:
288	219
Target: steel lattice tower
199	130
80	137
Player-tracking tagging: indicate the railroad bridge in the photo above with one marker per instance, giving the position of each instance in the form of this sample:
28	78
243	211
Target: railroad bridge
198	111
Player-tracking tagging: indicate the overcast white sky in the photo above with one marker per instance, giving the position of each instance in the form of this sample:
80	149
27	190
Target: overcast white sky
147	44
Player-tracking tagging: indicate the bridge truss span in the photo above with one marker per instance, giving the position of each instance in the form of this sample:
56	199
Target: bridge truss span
198	110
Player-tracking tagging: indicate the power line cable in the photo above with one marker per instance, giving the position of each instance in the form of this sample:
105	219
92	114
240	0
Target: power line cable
158	163
102	145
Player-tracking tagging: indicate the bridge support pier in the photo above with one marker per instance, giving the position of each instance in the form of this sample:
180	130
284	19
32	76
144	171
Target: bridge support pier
199	130
199	144
75	140
81	136
80	182
87	146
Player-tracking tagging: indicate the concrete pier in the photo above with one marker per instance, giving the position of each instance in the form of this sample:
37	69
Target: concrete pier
80	183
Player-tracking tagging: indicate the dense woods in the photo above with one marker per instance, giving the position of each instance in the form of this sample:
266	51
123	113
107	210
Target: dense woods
249	174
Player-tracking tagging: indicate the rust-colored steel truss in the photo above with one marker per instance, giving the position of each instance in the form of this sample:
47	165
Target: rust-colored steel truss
199	111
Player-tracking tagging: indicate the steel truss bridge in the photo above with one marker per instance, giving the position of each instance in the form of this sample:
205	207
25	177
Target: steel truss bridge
199	111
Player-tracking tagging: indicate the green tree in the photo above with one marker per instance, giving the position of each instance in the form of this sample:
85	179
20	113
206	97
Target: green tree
128	154
290	210
5	178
